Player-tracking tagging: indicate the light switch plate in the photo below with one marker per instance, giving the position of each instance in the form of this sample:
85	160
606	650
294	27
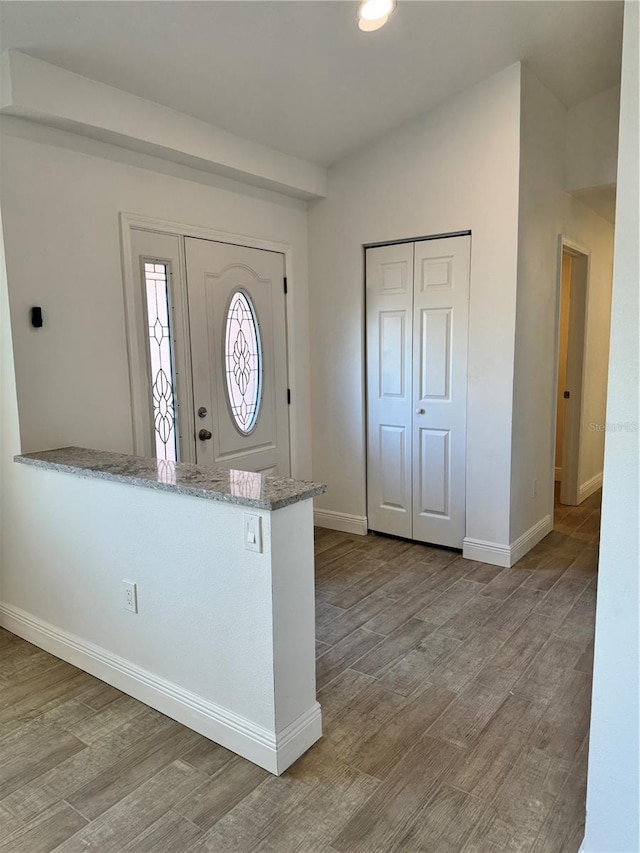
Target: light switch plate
252	532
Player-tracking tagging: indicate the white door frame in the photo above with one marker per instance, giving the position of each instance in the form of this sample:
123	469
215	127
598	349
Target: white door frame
136	344
572	443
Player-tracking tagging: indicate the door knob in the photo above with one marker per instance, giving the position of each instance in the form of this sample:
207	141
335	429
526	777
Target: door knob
419	411
204	435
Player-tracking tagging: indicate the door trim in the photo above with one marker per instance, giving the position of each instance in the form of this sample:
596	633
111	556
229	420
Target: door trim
417	239
136	344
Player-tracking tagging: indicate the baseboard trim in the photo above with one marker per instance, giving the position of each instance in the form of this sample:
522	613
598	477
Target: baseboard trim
506	556
486	552
297	737
589	487
530	537
342	521
273	751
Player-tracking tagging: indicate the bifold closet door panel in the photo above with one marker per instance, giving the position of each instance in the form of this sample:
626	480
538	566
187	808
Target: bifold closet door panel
440	343
389	274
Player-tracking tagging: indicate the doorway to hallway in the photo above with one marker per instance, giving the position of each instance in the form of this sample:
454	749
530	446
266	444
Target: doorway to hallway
573	385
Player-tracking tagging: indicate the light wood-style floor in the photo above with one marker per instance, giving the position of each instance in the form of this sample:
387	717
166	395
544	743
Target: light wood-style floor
456	705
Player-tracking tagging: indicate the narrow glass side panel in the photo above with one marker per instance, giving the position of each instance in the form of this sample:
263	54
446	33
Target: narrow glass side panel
243	367
161	360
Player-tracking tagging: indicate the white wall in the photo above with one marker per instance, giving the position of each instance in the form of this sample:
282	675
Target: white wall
546	211
613	789
454	169
61	196
54	96
592	141
70	575
583	226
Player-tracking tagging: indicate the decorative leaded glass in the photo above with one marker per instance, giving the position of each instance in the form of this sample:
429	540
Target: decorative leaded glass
167	471
161	360
245	484
243	362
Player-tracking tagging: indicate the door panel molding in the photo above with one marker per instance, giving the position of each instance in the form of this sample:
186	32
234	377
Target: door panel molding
136	353
392	461
434	456
436	273
393	330
435	329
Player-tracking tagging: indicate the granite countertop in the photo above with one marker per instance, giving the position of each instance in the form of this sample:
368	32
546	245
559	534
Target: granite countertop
217	484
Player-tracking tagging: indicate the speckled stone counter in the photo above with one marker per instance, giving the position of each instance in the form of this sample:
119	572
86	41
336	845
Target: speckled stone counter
244	488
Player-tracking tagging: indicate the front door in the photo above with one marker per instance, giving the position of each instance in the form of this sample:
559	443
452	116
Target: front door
238	356
209	373
417	329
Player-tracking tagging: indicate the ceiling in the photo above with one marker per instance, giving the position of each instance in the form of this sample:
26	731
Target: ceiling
600	199
299	76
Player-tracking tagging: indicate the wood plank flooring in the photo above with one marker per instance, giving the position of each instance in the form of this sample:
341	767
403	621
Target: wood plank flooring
455	698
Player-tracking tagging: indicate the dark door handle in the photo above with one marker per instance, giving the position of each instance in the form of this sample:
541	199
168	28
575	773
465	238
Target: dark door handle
204	435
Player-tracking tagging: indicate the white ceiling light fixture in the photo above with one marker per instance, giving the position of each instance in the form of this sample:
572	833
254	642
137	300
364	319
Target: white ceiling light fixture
373	14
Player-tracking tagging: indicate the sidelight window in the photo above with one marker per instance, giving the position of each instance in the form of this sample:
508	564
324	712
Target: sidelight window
156	276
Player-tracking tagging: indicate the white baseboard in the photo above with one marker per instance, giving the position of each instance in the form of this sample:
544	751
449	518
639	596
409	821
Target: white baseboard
271	750
530	537
296	739
340	521
591	486
506	555
486	552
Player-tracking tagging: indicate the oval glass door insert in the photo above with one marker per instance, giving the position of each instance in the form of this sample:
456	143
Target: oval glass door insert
243	362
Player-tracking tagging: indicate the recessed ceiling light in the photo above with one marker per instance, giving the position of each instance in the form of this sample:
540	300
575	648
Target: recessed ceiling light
373	14
369	26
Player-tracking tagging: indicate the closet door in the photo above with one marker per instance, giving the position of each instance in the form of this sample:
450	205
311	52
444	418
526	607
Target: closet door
389	271
417	330
440	335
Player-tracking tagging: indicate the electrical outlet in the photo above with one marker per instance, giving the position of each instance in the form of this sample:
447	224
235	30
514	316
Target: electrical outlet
252	532
534	488
130	596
